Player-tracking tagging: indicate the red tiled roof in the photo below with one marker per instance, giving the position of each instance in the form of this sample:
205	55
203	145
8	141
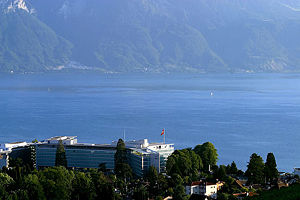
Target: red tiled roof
208	183
196	183
244	194
240	183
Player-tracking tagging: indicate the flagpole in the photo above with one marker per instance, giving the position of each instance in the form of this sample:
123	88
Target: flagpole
164	136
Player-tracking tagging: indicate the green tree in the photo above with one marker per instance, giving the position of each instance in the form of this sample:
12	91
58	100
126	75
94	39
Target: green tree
5	183
121	154
159	198
179	192
122	169
175	180
223	196
60	158
255	171
56	182
18	194
33	187
289	193
140	193
162	185
208	154
82	186
220	173
152	177
233	168
35	141
103	187
184	162
102	167
271	171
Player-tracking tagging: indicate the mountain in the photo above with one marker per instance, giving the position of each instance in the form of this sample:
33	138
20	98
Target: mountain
133	35
27	44
162	36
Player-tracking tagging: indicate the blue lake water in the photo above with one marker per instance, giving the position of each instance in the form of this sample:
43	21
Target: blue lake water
247	112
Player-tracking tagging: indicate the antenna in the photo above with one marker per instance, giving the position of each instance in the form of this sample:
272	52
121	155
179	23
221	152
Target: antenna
124	135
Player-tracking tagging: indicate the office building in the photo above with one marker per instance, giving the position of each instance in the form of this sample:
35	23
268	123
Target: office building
141	154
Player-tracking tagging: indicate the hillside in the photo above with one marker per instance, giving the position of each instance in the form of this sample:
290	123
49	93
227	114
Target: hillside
27	44
174	35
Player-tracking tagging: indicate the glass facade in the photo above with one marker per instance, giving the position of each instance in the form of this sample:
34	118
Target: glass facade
26	153
78	156
139	162
3	160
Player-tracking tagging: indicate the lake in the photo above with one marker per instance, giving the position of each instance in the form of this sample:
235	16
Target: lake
239	113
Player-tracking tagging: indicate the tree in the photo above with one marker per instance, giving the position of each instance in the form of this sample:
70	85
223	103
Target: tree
102	167
159	198
56	182
208	154
33	187
152	177
162	185
221	172
103	187
175	180
120	155
35	141
179	192
82	186
60	158
233	168
122	169
271	171
255	171
18	194
140	193
184	162
5	182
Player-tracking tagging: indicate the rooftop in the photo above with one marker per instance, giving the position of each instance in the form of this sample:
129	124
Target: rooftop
196	183
202	183
62	138
16	143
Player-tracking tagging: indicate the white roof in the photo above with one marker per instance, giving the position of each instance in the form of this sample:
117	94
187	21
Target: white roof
62	138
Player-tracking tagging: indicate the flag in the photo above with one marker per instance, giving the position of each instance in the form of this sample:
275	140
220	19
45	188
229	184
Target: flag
163	132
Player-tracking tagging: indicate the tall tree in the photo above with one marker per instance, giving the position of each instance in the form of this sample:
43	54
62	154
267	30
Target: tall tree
255	171
122	169
120	156
233	168
208	154
152	177
271	171
221	173
60	158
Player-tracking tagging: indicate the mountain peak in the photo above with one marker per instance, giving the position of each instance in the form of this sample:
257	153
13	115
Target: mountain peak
14	5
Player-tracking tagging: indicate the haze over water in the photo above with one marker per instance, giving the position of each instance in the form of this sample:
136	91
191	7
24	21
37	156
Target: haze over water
239	113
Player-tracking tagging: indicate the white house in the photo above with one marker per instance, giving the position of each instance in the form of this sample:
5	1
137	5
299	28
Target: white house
203	188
